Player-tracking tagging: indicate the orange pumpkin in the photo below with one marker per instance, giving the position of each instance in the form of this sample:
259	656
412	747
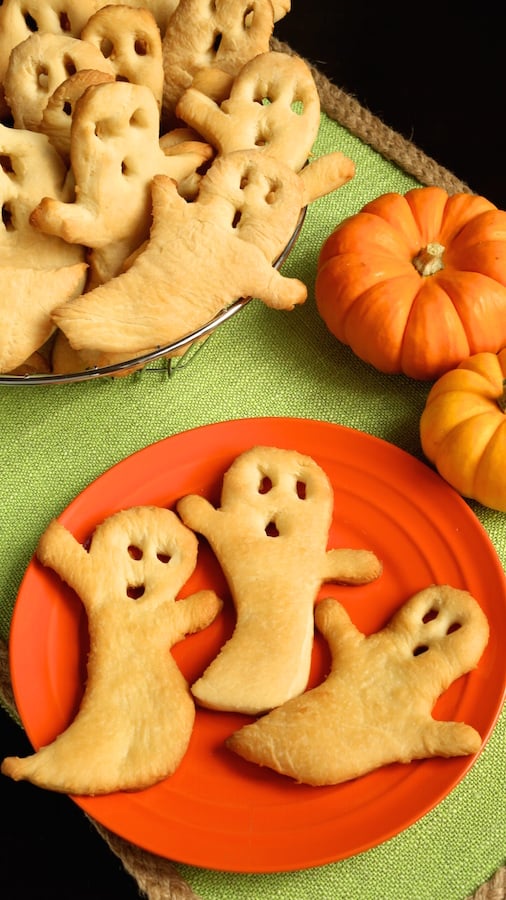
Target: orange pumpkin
416	283
463	428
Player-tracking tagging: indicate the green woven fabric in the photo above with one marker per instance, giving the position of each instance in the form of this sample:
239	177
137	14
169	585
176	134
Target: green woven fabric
57	439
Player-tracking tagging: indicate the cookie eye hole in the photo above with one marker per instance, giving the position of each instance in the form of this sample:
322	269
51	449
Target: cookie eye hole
30	23
430	616
7	217
106	47
455	626
237	218
70	66
300	489
67	108
64	23
135	552
271	529
215	46
248	17
421	648
265	485
141	47
163	557
135	591
6	164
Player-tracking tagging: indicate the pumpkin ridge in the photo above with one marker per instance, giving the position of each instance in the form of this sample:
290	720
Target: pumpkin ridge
492	492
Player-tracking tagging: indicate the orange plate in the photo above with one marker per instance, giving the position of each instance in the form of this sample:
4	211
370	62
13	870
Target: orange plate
217	810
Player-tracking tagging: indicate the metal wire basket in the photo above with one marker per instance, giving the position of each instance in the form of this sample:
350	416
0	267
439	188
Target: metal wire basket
176	355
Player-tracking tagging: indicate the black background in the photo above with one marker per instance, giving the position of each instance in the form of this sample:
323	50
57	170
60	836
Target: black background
438	78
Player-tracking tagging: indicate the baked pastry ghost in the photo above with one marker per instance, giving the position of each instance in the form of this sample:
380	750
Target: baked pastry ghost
270	536
375	706
136	716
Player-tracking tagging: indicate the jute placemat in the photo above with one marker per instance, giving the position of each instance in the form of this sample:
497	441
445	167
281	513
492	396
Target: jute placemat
157	878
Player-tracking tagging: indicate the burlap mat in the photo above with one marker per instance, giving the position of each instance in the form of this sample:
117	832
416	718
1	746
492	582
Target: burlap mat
157	878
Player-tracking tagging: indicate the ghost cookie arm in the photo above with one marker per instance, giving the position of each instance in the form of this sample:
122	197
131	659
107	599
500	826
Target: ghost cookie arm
449	739
276	290
349	566
197	611
202	113
334	623
197	513
59	550
325	174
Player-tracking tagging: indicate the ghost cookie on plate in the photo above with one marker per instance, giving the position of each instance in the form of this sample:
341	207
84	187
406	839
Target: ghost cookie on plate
136	715
270	535
375	706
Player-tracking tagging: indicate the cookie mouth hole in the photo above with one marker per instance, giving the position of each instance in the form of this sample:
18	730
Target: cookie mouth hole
67	108
7	218
455	626
135	591
261	139
420	649
271	529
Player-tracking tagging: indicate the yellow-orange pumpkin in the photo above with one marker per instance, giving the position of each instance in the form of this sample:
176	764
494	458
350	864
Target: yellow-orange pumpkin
463	428
415	283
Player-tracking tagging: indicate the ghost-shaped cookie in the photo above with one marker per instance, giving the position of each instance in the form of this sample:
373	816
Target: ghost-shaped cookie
200	257
115	152
375	706
136	716
270	536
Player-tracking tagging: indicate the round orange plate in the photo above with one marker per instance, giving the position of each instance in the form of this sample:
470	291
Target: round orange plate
218	811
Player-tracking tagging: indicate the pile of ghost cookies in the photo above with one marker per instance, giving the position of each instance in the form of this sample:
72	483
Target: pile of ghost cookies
270	534
146	149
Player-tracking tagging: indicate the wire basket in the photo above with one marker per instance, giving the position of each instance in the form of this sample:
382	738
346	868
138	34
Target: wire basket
176	355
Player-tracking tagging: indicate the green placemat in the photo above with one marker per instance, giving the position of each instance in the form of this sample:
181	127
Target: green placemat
57	439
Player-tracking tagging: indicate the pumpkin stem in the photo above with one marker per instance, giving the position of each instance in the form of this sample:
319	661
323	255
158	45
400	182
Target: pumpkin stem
430	259
501	401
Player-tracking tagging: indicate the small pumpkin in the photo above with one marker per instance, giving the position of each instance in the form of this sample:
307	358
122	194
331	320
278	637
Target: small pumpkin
416	282
463	428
